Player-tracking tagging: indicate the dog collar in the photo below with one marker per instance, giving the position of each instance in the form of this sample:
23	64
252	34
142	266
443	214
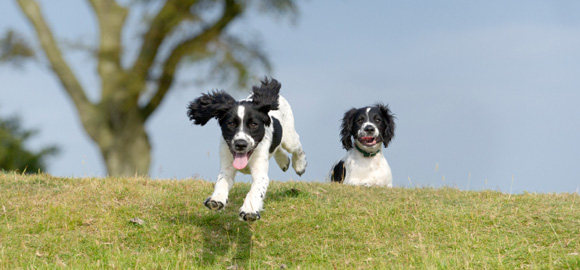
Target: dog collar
365	153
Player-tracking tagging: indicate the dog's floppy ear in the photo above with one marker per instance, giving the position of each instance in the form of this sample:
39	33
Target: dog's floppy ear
211	105
265	97
389	121
346	128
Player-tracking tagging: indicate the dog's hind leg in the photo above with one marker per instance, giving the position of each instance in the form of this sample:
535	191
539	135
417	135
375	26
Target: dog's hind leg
291	142
290	139
282	159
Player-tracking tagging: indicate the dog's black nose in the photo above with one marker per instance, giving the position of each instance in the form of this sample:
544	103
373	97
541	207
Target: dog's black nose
240	145
369	129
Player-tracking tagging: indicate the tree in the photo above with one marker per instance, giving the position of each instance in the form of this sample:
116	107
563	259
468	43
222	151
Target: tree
179	31
13	154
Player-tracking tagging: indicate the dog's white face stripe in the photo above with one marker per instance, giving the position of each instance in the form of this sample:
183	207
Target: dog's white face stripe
241	134
241	110
369	122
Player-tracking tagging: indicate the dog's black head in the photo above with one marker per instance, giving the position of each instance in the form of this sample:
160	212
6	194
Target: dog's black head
368	126
244	122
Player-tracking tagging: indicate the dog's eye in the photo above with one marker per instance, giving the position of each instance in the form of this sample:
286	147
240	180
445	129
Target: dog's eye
378	119
231	124
253	125
360	120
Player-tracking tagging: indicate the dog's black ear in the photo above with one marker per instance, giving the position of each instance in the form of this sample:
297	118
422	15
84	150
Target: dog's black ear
211	105
346	128
389	121
265	97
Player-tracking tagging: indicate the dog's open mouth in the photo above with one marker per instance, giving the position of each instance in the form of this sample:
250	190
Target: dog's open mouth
368	141
241	160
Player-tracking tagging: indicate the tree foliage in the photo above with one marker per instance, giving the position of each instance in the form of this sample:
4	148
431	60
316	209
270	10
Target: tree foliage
13	153
14	48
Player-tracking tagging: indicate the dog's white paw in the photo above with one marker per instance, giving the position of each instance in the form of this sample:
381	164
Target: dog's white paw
299	162
214	204
249	216
250	211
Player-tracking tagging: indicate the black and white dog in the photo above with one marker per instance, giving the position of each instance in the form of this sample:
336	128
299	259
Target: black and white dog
364	164
253	130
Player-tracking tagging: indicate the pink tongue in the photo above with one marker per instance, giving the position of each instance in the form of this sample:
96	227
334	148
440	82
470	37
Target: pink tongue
240	160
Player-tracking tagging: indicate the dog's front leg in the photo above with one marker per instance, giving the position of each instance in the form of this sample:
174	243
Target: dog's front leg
219	198
225	182
254	201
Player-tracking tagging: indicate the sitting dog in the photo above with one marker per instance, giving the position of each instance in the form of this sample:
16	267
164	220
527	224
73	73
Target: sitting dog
364	164
253	130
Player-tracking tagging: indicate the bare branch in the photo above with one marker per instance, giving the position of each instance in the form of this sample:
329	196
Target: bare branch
168	17
232	55
111	18
72	86
231	10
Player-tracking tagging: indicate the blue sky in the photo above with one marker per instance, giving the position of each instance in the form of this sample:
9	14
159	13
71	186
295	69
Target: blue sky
486	93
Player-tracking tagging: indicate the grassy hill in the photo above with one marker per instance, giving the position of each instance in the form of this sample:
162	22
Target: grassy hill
49	222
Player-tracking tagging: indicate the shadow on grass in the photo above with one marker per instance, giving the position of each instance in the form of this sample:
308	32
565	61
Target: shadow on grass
286	193
226	240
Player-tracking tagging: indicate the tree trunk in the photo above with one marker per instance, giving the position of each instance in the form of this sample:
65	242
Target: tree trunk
128	154
122	139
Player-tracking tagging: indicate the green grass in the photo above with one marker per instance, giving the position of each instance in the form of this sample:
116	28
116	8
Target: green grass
49	222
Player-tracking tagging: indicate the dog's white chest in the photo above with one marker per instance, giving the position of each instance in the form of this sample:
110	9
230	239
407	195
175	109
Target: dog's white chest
367	171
